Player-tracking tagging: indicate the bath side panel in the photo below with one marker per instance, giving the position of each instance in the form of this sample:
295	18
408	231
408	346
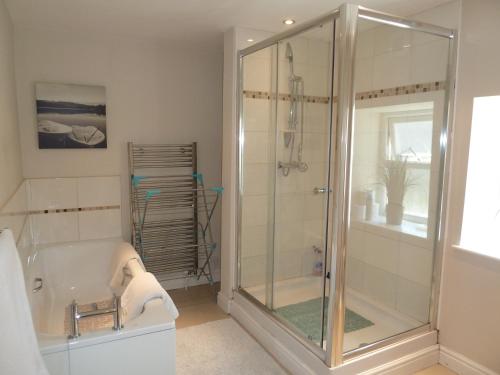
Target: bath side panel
151	354
57	363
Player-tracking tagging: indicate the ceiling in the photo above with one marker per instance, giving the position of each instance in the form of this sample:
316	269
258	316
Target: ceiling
183	20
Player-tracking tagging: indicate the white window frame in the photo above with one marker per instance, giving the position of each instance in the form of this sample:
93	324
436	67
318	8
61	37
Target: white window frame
387	120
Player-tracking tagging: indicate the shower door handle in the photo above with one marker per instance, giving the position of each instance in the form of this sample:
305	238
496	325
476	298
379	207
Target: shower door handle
318	190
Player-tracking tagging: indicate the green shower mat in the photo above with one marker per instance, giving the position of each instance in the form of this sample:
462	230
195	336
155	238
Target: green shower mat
307	318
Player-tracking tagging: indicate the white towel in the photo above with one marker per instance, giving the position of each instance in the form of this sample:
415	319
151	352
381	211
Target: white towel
142	289
19	353
122	255
133	268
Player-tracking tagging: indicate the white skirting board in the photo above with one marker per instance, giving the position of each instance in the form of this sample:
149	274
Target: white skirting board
461	364
408	364
224	302
406	357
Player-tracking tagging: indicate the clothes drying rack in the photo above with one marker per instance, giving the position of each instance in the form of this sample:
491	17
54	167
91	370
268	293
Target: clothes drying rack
171	211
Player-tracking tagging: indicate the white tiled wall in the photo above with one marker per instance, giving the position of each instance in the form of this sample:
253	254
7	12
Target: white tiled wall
391	268
55	227
14	216
53	193
99	224
74	193
387	57
98	191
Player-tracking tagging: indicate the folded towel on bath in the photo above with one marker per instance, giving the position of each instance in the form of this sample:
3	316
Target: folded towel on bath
122	256
19	354
140	290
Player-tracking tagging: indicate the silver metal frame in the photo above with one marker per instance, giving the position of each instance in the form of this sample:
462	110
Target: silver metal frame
239	163
341	180
390	19
346	21
444	177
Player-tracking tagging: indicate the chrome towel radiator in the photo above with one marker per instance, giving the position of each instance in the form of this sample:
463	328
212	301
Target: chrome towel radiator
171	210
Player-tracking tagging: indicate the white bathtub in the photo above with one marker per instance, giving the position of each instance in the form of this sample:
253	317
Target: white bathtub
81	271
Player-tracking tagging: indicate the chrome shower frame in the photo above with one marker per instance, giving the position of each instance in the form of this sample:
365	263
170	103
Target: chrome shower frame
345	20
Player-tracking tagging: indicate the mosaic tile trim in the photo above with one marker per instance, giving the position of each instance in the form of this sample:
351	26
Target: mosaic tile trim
60	210
91	323
402	90
392	91
284	97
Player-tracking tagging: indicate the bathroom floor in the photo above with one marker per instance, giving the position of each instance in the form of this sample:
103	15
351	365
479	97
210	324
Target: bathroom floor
197	305
436	370
210	342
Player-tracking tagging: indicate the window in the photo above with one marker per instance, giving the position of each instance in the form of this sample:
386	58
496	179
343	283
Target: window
481	221
409	137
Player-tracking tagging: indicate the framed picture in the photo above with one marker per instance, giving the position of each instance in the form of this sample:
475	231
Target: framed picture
71	116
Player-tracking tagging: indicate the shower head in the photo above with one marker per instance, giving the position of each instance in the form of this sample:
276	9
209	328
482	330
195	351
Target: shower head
289	52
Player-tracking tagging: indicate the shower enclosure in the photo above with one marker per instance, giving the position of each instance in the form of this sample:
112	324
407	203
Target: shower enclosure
342	155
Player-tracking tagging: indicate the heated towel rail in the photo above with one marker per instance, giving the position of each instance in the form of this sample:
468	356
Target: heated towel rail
171	210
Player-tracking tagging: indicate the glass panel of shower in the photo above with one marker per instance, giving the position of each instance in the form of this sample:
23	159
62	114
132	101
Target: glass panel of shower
257	173
400	88
339	213
285	160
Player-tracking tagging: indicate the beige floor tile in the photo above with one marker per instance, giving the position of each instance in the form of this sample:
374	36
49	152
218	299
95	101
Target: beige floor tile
436	370
199	314
194	295
197	305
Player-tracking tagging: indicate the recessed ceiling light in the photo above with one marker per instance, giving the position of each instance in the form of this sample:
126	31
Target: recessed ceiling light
289	21
250	40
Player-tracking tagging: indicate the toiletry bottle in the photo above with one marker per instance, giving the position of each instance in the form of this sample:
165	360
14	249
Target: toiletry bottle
370	200
318	261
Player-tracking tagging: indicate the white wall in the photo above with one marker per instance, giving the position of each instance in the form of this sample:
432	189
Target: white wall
470	293
10	154
156	93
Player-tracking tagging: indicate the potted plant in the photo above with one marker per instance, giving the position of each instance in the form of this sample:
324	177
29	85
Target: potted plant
397	182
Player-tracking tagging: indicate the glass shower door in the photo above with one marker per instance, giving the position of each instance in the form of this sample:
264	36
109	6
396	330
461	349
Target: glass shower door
302	175
285	137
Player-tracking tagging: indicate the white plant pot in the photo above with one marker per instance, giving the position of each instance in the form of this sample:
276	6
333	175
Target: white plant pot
394	213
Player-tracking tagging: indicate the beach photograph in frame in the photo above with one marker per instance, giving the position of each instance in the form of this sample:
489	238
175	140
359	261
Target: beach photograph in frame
70	116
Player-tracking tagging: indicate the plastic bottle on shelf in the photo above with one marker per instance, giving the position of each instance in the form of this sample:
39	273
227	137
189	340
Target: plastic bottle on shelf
371	206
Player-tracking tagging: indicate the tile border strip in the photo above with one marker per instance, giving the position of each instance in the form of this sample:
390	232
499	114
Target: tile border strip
284	97
61	210
364	95
402	90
